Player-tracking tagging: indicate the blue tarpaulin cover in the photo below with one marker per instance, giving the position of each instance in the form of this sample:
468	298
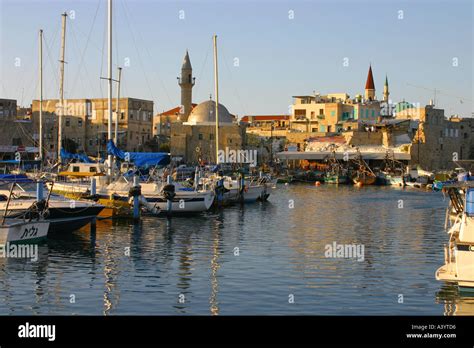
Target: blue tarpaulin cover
81	157
15	178
140	159
470	202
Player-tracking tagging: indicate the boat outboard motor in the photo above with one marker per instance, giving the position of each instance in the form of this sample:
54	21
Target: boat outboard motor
169	192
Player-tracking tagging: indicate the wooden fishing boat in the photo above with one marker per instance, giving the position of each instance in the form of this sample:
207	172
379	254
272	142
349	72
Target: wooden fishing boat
364	174
390	179
363	178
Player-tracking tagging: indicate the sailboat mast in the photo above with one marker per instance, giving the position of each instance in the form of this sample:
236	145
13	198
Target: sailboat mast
40	141
118	105
216	85
61	84
109	91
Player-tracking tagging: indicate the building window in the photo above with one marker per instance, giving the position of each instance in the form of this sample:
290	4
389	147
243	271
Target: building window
131	115
211	136
79	122
68	121
321	111
200	136
333	113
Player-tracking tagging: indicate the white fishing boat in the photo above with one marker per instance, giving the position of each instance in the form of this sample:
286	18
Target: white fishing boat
230	190
459	252
23	232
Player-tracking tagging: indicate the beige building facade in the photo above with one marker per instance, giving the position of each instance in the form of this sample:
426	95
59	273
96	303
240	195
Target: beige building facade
85	123
439	141
194	141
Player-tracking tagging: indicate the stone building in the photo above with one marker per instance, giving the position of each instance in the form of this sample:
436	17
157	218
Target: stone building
8	108
15	133
162	121
85	123
337	112
194	141
192	128
439	141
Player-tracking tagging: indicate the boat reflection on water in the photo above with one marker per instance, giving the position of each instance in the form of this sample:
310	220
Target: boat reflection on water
216	236
456	302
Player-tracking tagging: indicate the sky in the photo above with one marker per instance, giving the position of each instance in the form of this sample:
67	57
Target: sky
268	51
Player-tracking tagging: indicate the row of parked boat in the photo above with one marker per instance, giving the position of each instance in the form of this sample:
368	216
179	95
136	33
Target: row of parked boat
357	171
55	203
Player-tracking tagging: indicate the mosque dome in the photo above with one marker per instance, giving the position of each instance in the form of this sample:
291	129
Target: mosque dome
403	105
205	113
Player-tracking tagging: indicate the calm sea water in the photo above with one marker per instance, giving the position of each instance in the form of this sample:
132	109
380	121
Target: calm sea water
280	256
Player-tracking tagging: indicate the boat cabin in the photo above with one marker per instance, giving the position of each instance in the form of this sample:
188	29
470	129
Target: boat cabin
84	170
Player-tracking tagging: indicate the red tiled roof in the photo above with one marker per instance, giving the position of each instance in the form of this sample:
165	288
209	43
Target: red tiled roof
174	111
265	118
370	80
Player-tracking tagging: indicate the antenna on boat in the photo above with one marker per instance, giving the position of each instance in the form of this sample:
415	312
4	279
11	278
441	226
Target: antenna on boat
109	90
117	108
40	143
216	85
61	84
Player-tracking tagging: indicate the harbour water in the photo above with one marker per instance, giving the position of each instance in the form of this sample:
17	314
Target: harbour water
265	258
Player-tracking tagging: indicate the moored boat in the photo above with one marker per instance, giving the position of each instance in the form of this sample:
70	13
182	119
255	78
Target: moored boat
336	179
19	231
62	213
459	252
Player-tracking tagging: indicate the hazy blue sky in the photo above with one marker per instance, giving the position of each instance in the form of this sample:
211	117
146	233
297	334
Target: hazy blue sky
278	57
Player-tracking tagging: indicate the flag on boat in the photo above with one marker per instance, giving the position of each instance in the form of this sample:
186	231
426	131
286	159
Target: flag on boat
140	159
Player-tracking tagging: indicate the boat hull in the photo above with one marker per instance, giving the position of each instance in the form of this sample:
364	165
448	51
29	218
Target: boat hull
183	203
390	180
20	232
336	179
62	215
364	180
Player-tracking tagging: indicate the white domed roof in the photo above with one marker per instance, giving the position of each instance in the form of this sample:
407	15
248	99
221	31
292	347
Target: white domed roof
205	113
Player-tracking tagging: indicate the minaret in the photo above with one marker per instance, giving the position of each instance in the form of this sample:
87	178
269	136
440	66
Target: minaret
386	93
369	86
186	82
